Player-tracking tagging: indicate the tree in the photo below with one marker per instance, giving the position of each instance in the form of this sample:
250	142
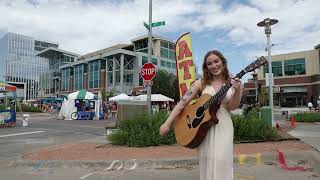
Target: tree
103	95
165	84
263	96
110	93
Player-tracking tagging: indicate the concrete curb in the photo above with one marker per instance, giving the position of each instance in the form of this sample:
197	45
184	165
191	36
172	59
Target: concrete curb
189	162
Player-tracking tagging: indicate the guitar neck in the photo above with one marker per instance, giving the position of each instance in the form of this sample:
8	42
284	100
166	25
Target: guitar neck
217	97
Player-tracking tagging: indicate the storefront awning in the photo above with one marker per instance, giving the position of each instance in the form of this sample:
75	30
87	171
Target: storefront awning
4	87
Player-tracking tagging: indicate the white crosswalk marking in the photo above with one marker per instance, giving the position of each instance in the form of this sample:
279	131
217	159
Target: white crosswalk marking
17	134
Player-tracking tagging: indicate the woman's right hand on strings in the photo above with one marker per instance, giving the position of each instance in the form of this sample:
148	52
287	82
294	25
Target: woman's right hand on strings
164	129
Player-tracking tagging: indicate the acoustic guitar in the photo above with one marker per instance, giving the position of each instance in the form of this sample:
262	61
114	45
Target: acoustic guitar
194	121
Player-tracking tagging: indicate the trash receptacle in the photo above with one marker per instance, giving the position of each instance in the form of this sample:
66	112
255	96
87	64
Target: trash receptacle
266	115
25	120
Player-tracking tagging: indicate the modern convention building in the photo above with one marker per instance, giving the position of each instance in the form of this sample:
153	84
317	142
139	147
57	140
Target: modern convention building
50	81
117	68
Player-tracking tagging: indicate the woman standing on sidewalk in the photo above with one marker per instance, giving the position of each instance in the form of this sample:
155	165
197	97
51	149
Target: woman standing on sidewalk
215	153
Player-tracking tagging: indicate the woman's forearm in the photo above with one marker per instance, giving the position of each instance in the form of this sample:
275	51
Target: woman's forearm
235	99
174	113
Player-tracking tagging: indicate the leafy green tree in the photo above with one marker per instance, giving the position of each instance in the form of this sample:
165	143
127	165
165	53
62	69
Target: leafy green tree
110	93
175	89
166	84
103	94
263	96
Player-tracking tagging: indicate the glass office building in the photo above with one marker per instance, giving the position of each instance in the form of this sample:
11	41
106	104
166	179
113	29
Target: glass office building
117	68
50	81
19	64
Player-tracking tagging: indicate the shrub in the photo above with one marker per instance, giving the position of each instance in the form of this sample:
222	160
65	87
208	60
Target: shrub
307	117
24	108
142	130
251	127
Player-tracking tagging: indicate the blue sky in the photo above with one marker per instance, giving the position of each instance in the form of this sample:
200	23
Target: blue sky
229	26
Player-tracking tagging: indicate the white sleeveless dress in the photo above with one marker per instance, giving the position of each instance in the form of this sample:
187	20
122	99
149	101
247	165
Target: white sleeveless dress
215	153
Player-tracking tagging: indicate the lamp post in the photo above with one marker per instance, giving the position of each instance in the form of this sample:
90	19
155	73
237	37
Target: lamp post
267	23
5	80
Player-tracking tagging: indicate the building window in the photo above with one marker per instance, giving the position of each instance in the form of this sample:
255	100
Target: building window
65	79
168	64
276	69
294	67
78	77
154	61
94	74
174	66
141	44
128	79
167	50
163	63
145	60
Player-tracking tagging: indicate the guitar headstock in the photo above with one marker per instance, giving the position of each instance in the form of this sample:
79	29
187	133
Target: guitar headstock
256	64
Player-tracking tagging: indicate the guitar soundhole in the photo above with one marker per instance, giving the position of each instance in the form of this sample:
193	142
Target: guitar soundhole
199	117
200	111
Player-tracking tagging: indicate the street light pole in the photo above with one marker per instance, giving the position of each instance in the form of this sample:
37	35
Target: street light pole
267	23
149	55
5	80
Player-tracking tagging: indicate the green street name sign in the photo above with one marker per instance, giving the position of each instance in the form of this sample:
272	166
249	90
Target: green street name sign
160	23
146	25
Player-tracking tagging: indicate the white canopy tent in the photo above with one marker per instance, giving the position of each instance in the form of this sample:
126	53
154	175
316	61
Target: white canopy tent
120	97
154	97
68	105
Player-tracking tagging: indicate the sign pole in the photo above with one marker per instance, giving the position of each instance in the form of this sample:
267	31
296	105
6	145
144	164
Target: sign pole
149	55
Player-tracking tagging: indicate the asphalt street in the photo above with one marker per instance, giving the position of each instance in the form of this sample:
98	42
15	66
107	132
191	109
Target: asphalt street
262	172
46	131
308	133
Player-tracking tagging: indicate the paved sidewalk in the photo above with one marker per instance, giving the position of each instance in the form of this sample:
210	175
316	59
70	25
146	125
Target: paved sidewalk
93	155
94	151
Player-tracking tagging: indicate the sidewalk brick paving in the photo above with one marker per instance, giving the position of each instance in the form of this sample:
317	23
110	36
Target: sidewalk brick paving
93	151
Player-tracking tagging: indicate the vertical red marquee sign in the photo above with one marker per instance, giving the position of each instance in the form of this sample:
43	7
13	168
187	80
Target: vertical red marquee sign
186	70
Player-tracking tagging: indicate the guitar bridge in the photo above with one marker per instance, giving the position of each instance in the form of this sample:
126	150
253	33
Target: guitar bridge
188	122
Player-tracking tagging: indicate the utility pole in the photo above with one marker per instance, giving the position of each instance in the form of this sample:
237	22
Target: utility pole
149	27
149	55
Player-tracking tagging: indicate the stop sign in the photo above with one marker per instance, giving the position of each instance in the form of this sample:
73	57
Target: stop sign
148	71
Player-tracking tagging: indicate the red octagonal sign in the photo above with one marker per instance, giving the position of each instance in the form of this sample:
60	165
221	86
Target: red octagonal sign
148	71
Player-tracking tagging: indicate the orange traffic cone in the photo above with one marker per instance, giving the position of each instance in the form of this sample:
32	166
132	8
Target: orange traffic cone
292	122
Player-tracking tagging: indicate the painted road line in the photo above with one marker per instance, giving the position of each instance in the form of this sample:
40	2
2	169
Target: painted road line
243	158
87	175
17	134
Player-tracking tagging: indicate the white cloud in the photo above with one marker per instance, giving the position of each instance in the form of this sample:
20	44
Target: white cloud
83	27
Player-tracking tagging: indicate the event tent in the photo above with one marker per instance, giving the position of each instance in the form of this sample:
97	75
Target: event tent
120	97
68	105
154	97
82	94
